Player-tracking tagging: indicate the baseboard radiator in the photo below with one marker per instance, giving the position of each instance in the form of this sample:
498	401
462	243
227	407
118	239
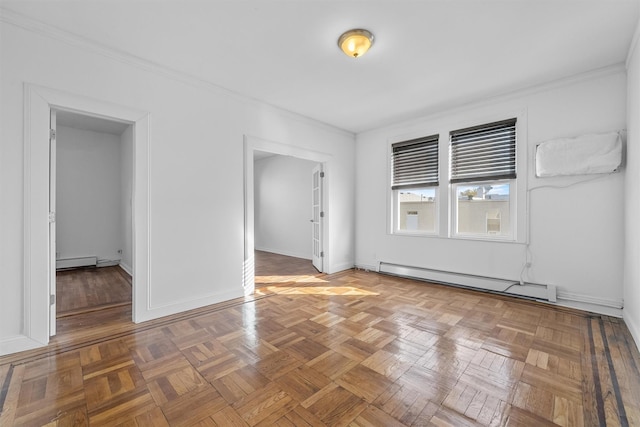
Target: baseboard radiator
464	280
85	261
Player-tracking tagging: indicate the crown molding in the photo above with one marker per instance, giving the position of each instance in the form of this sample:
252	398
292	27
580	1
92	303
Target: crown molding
461	106
38	27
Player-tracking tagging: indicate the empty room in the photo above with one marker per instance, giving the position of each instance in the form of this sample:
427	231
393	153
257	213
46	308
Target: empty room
319	213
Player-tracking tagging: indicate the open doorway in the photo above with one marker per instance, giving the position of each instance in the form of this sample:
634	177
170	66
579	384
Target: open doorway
284	202
39	247
91	195
286	221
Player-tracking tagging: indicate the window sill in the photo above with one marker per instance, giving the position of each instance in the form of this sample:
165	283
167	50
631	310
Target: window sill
459	237
414	233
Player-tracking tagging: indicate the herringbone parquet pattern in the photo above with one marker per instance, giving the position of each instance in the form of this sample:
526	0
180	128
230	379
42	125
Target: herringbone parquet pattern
354	348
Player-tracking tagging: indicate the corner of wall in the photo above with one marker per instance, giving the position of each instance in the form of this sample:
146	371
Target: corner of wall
634	329
633	45
17	344
631	285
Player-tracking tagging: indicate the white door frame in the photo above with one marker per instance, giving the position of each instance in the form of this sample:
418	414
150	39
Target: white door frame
38	102
317	217
53	143
252	144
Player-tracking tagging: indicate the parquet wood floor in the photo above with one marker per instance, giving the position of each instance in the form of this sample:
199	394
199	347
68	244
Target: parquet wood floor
353	348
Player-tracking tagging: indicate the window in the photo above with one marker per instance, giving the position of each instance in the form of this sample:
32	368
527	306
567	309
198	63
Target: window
483	173
414	184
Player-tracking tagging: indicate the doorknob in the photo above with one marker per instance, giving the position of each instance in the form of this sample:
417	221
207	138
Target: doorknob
310	220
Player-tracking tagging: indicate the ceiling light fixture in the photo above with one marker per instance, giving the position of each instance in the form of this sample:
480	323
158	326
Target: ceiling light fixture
355	43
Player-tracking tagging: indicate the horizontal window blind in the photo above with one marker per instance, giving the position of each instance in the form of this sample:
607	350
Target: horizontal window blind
415	163
486	152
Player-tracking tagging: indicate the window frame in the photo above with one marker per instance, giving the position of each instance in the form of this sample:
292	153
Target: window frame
483	173
517	186
432	137
519	217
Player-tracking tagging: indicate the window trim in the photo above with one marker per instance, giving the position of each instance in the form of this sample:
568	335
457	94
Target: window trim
518	215
434	138
442	126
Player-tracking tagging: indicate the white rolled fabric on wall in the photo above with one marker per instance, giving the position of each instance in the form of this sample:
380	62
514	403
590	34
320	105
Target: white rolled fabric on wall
583	155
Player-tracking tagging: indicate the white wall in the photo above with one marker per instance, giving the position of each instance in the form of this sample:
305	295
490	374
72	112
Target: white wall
196	217
632	195
88	202
574	246
126	186
282	192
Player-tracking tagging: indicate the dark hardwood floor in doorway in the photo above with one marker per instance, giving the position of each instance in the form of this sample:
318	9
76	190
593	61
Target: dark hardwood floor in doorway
82	290
91	301
270	264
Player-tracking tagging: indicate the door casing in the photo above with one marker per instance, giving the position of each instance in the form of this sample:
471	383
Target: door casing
38	265
251	144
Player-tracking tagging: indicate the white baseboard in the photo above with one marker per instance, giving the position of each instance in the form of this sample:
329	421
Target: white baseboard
368	267
85	261
284	252
185	305
340	267
590	307
511	287
126	268
606	306
633	328
108	263
17	344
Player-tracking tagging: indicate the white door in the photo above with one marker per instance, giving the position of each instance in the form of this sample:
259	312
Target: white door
52	224
317	215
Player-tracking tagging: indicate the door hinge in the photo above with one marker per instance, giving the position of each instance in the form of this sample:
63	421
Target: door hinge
322	214
321	254
52	134
52	217
322	174
52	299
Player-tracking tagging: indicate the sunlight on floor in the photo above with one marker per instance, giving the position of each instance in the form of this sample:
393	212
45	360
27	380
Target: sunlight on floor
309	285
313	290
263	280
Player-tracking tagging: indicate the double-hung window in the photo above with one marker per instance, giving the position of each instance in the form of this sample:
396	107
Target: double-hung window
414	184
482	177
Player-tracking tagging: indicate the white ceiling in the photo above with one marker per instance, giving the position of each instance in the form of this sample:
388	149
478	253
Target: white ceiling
428	55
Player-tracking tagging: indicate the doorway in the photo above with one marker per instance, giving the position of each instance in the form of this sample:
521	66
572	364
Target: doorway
91	194
296	158
39	258
287	206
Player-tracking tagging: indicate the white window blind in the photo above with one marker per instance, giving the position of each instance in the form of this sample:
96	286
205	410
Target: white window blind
415	163
485	152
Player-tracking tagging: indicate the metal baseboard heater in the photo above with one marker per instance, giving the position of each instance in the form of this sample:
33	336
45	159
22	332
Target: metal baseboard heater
85	261
472	281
